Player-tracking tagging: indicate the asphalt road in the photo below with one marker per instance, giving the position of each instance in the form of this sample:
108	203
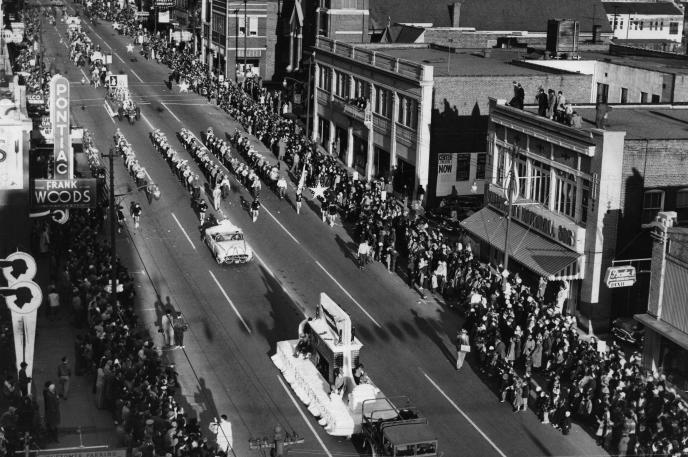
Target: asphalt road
238	313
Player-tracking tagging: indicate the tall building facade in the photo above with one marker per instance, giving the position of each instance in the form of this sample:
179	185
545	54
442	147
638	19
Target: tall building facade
239	37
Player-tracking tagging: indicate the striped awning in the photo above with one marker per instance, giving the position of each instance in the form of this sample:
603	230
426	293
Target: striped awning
532	250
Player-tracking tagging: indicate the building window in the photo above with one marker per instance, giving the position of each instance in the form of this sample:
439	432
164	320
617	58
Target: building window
383	102
653	202
661	25
342	84
621	24
641	24
585	201
624	95
408	112
565	194
643	97
325	78
480	166
682	204
463	167
655	98
540	182
360	89
673	28
521	172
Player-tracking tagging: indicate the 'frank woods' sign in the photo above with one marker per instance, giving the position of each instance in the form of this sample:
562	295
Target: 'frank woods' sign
59	113
63	193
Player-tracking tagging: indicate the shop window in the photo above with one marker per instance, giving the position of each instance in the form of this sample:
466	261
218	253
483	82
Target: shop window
480	166
653	202
463	167
682	204
655	98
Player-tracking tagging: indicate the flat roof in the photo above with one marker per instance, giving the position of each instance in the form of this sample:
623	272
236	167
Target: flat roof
464	62
677	65
642	123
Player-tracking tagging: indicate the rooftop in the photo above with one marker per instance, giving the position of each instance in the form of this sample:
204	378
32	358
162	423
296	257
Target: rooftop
648	8
640	123
462	62
506	15
676	64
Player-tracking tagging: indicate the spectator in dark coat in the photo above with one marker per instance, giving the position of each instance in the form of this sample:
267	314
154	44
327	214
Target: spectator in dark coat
52	411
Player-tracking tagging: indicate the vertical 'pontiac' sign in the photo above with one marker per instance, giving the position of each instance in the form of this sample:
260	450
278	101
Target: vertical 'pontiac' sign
59	117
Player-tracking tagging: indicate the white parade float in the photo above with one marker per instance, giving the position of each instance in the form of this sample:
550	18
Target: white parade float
332	346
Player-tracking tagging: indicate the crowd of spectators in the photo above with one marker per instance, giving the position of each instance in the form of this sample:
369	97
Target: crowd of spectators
517	330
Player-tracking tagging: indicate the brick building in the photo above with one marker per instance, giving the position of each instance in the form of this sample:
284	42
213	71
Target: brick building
428	108
301	21
595	186
666	320
240	36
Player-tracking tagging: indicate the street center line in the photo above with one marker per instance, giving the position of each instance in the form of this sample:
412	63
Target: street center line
236	311
147	122
108	111
183	231
305	419
173	115
134	73
348	294
280	224
465	416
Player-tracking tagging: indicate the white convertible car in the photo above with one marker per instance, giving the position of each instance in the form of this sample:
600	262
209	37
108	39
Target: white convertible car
227	243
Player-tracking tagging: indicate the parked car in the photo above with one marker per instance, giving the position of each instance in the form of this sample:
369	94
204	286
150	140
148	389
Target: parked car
226	242
628	330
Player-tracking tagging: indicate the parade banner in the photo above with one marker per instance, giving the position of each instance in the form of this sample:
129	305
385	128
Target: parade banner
63	193
59	118
23	297
119	81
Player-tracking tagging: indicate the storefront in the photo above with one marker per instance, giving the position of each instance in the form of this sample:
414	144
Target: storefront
665	348
546	177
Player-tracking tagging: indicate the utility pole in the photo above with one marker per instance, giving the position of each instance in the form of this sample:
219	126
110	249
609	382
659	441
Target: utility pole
245	35
236	47
113	213
308	96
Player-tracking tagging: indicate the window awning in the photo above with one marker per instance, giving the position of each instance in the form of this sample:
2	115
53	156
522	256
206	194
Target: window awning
666	330
529	248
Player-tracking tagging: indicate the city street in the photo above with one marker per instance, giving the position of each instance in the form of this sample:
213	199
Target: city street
238	313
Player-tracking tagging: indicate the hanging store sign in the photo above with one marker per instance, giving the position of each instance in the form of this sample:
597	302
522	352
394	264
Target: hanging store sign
164	17
35	99
59	118
620	276
63	193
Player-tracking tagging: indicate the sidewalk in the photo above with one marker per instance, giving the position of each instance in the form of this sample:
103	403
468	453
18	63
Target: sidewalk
54	340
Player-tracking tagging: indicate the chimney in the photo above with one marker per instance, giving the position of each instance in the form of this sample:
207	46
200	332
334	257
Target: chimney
455	13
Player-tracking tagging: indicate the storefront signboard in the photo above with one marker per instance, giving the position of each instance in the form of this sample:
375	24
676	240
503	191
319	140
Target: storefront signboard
535	220
620	276
63	193
59	119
